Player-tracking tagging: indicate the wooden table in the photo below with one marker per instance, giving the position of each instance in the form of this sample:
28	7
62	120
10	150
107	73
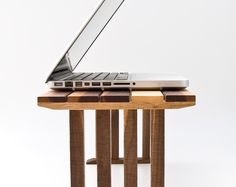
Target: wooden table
107	105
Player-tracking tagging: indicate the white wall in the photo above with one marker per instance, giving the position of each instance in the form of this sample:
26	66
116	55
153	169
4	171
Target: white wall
189	37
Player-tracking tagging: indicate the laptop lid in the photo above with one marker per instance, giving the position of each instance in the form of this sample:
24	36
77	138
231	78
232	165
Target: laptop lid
85	39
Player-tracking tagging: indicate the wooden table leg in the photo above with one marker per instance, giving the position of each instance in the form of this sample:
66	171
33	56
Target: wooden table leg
114	140
130	148
115	159
103	148
77	148
115	134
157	148
146	136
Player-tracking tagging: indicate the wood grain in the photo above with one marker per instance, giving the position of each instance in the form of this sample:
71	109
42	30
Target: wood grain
115	134
179	96
103	148
130	148
114	106
146	97
54	96
157	148
155	101
146	135
115	96
141	160
85	96
139	100
77	148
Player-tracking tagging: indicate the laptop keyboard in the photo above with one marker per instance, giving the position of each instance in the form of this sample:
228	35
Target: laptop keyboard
98	76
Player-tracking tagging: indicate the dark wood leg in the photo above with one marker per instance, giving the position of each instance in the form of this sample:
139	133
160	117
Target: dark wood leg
103	148
115	139
77	148
115	134
157	148
130	148
146	135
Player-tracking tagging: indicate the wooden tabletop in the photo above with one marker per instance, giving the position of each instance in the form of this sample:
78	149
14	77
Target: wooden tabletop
83	100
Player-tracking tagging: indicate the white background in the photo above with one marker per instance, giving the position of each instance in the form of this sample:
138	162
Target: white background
194	38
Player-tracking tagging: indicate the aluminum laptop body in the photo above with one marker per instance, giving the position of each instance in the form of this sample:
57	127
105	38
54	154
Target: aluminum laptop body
64	77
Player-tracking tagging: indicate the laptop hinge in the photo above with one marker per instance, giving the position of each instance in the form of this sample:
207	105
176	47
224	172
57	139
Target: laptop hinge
59	75
61	70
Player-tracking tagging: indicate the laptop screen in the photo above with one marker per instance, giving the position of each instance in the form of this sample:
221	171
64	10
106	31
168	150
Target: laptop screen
95	25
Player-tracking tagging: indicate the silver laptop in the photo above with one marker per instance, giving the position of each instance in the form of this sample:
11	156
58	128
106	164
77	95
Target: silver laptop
64	77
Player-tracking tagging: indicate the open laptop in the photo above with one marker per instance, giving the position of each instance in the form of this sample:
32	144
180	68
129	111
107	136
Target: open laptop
64	77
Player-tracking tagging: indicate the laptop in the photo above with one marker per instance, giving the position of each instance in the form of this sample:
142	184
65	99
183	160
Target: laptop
64	76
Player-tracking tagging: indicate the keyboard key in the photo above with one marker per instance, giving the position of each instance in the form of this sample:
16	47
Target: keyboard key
74	75
111	76
102	76
97	76
122	77
81	77
92	76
